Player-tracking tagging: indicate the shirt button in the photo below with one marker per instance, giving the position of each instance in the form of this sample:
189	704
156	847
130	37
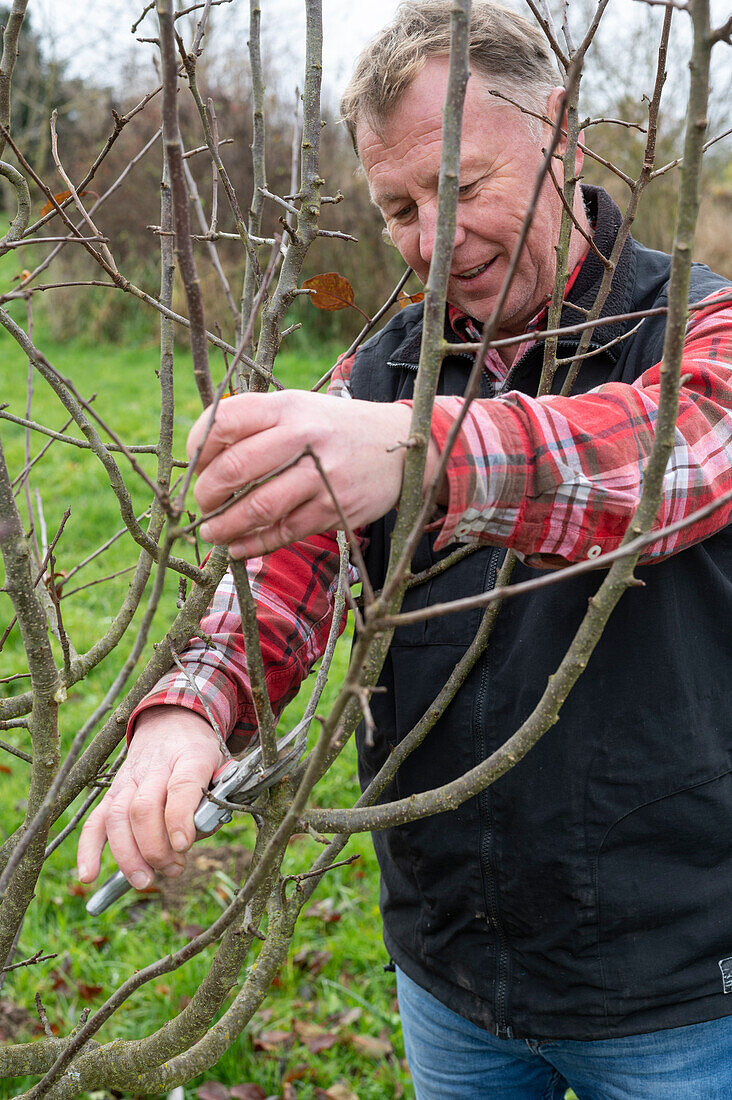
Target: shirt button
594	551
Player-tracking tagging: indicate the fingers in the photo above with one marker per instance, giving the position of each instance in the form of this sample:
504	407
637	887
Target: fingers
247	461
143	834
306	520
148	824
272	505
237	418
124	848
254	439
91	844
131	820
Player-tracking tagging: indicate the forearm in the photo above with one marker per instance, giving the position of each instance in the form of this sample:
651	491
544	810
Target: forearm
294	589
558	479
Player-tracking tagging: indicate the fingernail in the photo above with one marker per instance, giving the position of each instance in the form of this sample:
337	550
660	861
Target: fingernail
172	870
82	871
179	841
140	879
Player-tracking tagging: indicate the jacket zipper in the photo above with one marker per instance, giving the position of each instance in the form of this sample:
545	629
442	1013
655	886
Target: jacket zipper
493	919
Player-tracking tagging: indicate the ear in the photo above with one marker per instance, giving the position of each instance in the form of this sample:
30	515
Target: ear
555	107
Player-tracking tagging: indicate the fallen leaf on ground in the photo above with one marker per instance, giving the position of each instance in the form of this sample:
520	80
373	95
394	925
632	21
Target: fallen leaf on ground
315	1038
272	1040
298	1072
15	1021
336	1092
249	1091
347	1018
370	1044
312	961
212	1090
324	910
88	992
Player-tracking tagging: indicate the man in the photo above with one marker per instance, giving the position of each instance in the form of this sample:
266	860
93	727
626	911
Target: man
570	925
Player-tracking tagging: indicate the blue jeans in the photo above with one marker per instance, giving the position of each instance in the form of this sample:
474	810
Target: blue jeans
454	1059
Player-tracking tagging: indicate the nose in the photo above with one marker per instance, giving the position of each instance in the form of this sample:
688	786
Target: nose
428	230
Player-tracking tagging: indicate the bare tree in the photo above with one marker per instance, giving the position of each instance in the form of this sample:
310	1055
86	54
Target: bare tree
264	911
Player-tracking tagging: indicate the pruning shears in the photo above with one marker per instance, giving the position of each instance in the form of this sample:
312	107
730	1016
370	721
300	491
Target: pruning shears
236	782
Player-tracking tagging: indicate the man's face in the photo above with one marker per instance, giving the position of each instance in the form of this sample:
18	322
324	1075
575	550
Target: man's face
499	160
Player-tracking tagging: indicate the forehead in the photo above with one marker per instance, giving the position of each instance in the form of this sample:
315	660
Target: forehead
404	150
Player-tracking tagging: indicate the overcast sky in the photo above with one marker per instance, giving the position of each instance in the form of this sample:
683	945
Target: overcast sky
94	36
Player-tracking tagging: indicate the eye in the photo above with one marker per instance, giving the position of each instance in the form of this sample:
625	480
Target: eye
403	214
466	188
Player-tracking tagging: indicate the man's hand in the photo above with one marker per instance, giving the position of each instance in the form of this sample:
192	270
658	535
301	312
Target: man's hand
147	814
255	434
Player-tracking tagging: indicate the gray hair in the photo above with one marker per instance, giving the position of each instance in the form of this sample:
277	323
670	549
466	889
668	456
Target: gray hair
504	48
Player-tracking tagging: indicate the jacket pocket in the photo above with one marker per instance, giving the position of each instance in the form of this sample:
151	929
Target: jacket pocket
664	898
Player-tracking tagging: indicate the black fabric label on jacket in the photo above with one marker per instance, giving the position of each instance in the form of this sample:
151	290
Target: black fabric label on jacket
725	965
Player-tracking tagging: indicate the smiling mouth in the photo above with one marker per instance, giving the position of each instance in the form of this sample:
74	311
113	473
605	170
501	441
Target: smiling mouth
473	272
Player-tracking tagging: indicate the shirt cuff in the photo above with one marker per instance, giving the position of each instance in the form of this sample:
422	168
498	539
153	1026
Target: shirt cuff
233	718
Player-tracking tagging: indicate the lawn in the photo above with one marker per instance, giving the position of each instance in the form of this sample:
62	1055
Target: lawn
329	1029
330	1022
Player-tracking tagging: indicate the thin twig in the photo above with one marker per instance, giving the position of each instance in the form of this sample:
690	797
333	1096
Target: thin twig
345	525
627	550
12	749
304	875
38	957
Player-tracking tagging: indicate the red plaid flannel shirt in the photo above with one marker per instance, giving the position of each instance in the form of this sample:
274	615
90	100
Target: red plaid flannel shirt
556	478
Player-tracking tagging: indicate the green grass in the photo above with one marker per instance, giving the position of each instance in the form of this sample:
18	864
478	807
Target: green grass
337	960
333	981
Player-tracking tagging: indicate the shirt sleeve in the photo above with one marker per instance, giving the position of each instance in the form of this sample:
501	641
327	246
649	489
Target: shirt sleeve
294	589
559	478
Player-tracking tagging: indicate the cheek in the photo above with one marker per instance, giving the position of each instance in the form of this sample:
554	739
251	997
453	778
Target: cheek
406	240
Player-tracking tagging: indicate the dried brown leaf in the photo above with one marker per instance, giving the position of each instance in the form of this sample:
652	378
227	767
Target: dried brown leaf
248	1091
405	299
336	1092
314	1037
346	1018
324	910
212	1090
332	291
272	1040
298	1072
88	992
60	197
375	1047
312	961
